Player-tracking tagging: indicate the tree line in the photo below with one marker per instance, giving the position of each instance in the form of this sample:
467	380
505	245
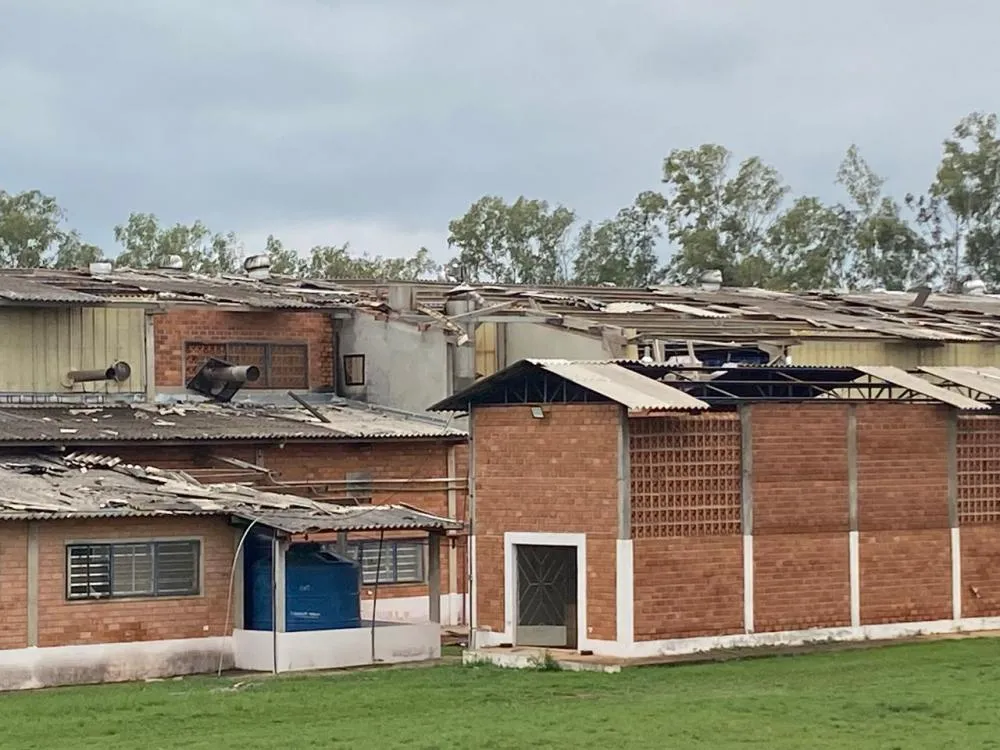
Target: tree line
711	212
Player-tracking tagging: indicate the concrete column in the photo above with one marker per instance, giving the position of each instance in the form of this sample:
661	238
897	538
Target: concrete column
452	513
956	539
342	543
434	576
853	536
624	477
746	513
278	548
33	583
149	373
238	583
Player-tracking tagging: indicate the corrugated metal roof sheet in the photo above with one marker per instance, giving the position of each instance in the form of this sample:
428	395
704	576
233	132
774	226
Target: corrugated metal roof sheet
210	422
16	289
918	385
47	488
630	389
967	377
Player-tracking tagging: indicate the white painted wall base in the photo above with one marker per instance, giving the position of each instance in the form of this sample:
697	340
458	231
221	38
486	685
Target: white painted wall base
26	668
680	646
336	649
417	609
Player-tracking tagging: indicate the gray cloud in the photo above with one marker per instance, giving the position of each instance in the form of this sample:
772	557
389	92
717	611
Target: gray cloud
384	119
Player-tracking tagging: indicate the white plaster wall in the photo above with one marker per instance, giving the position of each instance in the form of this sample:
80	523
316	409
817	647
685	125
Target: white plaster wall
26	668
416	609
534	340
405	368
336	649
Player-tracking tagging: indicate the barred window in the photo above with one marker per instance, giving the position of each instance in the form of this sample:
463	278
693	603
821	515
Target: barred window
280	365
402	560
130	569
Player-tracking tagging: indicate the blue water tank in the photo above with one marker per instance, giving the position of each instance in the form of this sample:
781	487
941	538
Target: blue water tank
322	591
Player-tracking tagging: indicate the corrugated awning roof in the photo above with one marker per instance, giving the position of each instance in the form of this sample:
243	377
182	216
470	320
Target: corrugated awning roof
630	389
917	384
39	488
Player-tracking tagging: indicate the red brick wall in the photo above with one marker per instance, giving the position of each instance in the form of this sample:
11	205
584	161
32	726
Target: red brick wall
64	623
799	468
979	514
688	548
981	571
208	324
800	516
686	587
319	461
556	475
13	585
905	542
905	576
801	581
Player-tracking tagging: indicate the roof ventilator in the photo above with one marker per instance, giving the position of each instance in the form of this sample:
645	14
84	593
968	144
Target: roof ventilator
219	380
257	266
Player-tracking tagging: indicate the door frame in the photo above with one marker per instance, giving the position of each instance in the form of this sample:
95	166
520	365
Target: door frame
513	538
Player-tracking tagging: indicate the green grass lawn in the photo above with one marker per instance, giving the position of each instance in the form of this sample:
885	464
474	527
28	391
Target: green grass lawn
932	695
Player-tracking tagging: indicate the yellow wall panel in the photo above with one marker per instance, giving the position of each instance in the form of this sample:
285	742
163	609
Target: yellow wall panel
41	345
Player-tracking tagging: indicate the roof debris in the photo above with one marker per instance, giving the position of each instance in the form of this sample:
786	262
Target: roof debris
38	488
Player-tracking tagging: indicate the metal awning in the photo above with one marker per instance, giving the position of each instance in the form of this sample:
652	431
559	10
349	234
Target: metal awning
632	390
907	380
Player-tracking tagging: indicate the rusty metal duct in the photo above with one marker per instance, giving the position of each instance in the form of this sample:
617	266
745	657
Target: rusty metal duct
233	374
221	380
118	372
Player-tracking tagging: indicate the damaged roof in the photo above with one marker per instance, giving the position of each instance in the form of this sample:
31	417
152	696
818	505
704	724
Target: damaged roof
159	287
725	316
533	382
40	488
207	421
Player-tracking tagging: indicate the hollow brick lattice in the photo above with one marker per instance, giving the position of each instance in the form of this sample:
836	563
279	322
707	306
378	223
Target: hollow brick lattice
685	476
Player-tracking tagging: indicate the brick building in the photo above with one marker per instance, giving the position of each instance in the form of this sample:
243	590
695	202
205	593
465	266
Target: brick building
636	510
361	454
114	572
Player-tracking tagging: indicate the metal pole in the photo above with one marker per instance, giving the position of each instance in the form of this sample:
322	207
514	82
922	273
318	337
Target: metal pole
378	571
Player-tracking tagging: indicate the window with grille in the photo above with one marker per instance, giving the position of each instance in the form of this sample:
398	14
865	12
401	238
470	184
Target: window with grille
280	365
402	560
131	569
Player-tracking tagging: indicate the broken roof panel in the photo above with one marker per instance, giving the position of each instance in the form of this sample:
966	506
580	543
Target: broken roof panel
967	377
14	289
917	384
630	389
49	488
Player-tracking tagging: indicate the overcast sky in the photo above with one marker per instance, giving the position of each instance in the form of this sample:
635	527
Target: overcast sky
378	121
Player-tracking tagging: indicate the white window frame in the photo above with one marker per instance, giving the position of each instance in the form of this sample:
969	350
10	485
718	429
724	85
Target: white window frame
67	544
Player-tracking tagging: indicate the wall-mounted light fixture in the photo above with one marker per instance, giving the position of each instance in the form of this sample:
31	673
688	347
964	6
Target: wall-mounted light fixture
537	413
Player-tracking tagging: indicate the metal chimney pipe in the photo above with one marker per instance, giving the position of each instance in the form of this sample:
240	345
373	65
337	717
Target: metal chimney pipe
234	374
118	372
